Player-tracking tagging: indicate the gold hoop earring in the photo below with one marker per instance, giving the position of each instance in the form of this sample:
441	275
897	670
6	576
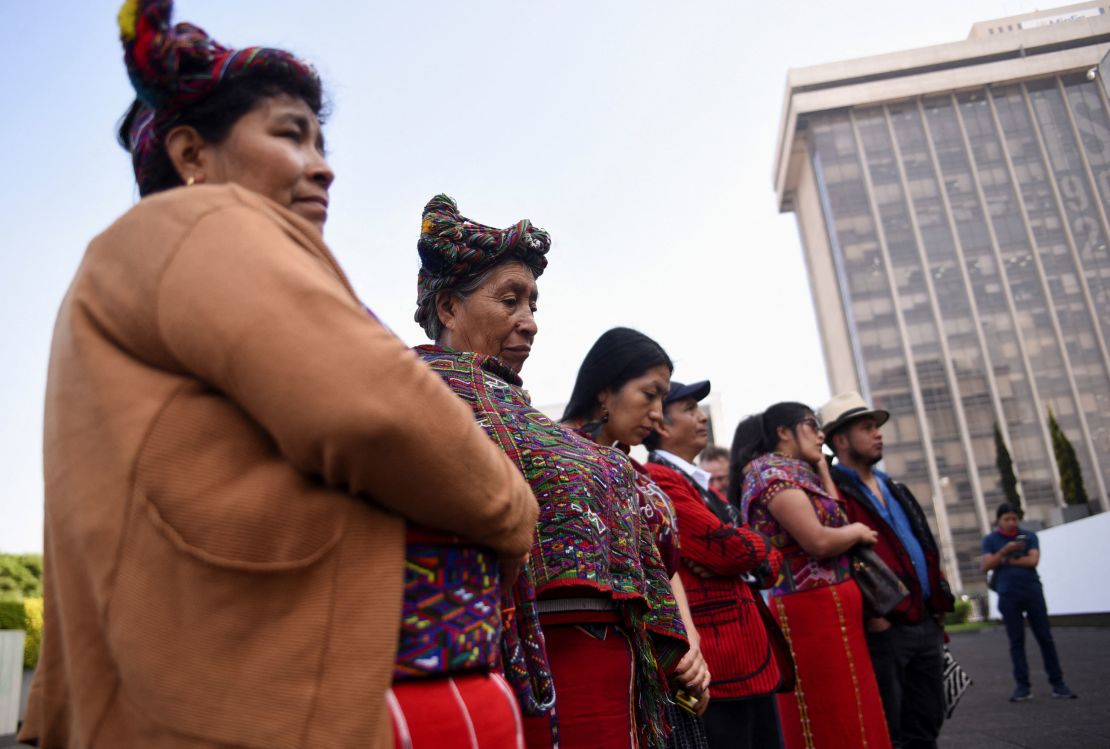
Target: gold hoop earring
191	181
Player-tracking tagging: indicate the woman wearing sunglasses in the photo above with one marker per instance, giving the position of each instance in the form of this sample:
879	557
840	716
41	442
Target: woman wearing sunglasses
779	477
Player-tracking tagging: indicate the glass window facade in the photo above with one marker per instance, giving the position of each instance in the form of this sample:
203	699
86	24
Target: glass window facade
972	250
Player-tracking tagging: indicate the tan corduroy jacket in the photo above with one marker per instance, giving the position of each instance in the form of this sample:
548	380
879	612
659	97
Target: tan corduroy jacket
231	442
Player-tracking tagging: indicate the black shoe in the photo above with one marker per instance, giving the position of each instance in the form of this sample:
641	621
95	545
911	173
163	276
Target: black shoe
1021	694
1063	693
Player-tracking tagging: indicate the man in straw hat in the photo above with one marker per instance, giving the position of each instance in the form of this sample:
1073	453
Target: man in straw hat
907	644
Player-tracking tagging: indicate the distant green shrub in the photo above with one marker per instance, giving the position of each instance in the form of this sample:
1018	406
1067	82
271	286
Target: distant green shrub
11	615
961	613
32	618
20	576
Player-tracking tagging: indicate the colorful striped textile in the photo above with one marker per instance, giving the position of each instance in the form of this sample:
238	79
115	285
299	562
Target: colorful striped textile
764	478
472	711
835	703
175	67
451	612
453	248
590	532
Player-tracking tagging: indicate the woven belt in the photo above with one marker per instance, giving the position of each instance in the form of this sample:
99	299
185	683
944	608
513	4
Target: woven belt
564	605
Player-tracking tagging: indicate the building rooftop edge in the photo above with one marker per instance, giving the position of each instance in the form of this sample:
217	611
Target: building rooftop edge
965	53
830	73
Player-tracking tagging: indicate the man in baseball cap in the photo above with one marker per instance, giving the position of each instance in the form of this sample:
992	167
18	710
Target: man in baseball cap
906	645
717	550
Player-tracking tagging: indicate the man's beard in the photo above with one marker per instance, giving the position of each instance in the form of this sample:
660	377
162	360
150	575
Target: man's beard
860	459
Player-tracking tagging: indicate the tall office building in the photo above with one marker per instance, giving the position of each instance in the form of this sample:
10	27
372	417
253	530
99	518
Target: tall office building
952	202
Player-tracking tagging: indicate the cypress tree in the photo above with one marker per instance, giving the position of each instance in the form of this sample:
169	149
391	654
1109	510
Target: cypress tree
1071	475
1006	470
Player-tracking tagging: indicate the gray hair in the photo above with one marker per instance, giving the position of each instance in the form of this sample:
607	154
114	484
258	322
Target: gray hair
427	314
713	452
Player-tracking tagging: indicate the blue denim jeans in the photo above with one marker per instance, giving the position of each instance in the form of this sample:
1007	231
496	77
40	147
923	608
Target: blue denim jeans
1015	607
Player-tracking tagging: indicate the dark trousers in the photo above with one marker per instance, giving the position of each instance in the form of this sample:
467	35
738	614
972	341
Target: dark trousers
909	668
751	723
1012	605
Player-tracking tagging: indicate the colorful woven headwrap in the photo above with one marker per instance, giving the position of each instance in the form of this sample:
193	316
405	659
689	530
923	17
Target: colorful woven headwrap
453	249
175	67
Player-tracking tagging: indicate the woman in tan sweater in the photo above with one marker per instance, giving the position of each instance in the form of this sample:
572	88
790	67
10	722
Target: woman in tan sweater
231	440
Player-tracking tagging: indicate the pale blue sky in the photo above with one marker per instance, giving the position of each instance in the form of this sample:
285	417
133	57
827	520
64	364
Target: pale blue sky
639	133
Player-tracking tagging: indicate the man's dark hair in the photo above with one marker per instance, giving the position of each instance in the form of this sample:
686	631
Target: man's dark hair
1006	508
215	115
829	436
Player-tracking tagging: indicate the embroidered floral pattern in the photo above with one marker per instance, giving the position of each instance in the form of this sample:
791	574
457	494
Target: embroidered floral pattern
765	477
591	530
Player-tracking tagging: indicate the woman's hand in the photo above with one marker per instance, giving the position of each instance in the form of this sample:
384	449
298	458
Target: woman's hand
864	534
794	511
878	624
703	703
692	673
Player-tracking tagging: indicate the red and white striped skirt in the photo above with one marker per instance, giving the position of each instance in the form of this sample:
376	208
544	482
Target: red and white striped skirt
467	711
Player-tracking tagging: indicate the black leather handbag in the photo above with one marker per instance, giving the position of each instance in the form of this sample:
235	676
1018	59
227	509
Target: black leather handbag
882	590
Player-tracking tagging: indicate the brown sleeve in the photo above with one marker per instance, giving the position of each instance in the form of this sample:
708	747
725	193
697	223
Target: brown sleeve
260	318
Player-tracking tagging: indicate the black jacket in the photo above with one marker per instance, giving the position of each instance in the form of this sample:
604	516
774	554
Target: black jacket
860	510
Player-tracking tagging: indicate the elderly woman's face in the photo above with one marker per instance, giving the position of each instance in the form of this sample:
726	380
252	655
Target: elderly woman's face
637	407
498	319
277	150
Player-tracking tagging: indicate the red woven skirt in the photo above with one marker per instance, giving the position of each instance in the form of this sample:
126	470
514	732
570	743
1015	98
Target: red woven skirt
836	703
471	711
592	668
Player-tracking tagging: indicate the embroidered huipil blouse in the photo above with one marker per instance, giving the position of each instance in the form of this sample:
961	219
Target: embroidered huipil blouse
655	508
594	531
764	478
450	613
658	513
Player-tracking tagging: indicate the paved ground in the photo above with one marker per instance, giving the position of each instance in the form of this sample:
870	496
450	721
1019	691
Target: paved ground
985	719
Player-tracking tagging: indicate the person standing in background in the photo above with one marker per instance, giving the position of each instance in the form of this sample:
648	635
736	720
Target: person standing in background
714	461
1012	554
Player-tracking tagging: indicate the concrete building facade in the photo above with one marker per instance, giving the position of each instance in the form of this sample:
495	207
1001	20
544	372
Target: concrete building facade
953	205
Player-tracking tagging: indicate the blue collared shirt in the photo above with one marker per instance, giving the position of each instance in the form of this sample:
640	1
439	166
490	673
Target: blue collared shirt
894	516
